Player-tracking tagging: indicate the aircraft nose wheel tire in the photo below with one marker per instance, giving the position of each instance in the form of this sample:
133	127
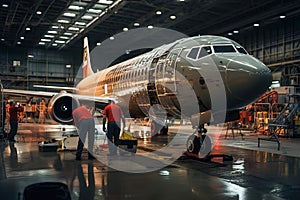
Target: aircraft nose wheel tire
194	145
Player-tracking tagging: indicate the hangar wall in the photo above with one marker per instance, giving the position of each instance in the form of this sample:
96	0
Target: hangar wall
21	68
276	42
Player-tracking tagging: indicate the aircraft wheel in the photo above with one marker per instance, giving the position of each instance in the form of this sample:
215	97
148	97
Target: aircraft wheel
194	146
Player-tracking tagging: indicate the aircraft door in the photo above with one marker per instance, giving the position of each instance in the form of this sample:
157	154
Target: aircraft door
168	80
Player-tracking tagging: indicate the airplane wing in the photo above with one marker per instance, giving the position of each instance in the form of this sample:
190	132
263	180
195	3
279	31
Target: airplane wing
28	93
55	87
60	104
44	94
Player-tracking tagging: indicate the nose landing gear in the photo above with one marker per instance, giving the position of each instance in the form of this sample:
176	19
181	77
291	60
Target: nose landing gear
199	143
199	146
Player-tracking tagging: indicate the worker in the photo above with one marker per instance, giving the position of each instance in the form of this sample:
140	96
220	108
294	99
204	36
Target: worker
33	109
13	120
42	110
7	116
113	114
85	123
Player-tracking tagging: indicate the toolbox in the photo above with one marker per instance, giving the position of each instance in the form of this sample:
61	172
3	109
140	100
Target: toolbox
48	146
128	142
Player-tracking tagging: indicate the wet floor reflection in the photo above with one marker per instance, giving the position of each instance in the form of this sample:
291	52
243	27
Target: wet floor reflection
252	175
276	174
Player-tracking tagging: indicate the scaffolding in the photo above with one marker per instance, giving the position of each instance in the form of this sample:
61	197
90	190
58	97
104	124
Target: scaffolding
262	115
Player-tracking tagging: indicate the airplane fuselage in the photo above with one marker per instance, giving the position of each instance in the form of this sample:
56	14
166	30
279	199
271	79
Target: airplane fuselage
156	77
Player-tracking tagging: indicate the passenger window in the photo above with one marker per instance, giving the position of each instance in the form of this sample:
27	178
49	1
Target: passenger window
204	52
193	53
241	49
224	49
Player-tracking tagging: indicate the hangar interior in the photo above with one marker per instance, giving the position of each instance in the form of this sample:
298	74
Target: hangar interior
41	43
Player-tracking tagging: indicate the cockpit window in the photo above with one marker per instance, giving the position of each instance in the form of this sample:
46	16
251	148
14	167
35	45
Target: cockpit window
241	50
224	49
204	52
193	53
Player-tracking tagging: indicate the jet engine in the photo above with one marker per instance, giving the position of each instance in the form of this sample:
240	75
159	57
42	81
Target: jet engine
60	107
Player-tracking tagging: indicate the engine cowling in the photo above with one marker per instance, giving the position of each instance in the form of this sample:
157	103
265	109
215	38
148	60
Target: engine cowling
60	107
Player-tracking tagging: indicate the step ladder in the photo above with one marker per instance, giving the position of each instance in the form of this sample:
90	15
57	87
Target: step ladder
283	121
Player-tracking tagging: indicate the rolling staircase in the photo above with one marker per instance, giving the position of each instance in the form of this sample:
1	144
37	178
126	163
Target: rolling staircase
284	121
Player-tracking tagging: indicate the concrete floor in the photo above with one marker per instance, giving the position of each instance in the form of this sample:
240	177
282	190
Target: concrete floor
255	173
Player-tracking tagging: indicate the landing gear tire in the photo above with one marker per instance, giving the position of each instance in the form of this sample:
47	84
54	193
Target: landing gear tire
195	146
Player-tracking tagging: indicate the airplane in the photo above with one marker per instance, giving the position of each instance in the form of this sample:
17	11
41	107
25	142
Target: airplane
149	85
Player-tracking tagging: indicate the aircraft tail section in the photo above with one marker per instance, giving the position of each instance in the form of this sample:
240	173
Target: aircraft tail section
86	65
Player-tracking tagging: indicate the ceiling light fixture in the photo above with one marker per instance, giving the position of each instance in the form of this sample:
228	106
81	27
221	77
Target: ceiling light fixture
282	16
18	42
111	38
59	41
108	2
4	5
158	12
73	7
42	43
80	23
22	38
98	43
52	32
27	29
69	14
87	17
136	24
64	37
45	40
73	28
150	27
38	12
235	31
49	36
172	17
91	10
256	25
125	29
63	21
54	44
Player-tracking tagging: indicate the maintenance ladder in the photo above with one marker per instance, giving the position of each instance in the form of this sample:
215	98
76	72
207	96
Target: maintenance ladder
283	121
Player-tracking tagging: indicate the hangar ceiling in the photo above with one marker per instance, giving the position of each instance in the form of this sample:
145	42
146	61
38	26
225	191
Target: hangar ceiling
59	24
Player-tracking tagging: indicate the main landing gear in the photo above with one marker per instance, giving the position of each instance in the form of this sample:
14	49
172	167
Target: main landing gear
199	146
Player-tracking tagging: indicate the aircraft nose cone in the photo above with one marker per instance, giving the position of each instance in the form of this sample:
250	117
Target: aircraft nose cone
247	80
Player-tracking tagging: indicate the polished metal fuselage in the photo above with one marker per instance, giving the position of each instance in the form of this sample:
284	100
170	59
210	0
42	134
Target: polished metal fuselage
160	76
